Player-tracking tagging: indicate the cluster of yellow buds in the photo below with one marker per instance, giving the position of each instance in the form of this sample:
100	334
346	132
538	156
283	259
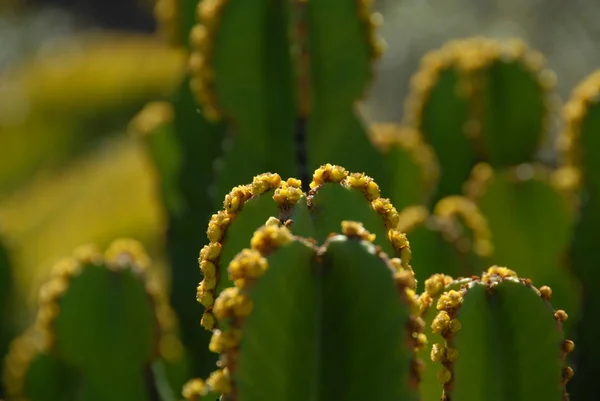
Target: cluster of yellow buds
363	183
328	173
387	211
219	382
216	231
200	61
401	246
495	274
288	193
354	229
446	323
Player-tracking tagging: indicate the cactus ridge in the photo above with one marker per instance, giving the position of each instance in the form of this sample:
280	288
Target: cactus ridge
447	323
286	194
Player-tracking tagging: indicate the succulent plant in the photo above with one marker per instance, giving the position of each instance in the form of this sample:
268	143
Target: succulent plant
308	287
307	313
103	331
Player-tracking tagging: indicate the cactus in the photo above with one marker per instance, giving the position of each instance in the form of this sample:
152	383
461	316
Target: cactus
103	330
342	284
579	136
479	99
490	335
306	287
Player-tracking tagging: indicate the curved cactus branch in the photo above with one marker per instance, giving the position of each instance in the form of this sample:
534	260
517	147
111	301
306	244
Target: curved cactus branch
527	211
336	195
282	272
482	99
579	171
500	337
100	316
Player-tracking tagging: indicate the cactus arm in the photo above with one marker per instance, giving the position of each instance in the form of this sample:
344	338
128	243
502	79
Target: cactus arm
256	95
526	212
101	316
514	348
329	350
341	47
438	107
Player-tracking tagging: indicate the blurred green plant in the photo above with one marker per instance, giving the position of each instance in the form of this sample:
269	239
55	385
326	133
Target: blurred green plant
464	169
99	81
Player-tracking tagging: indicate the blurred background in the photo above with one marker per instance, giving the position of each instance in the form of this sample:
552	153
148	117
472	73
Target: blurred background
74	72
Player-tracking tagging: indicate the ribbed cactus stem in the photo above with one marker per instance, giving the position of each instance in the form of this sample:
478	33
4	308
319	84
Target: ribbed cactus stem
447	321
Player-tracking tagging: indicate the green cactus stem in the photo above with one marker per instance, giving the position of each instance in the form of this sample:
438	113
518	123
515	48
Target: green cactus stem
580	167
281	273
257	96
502	339
341	47
100	316
527	209
480	99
